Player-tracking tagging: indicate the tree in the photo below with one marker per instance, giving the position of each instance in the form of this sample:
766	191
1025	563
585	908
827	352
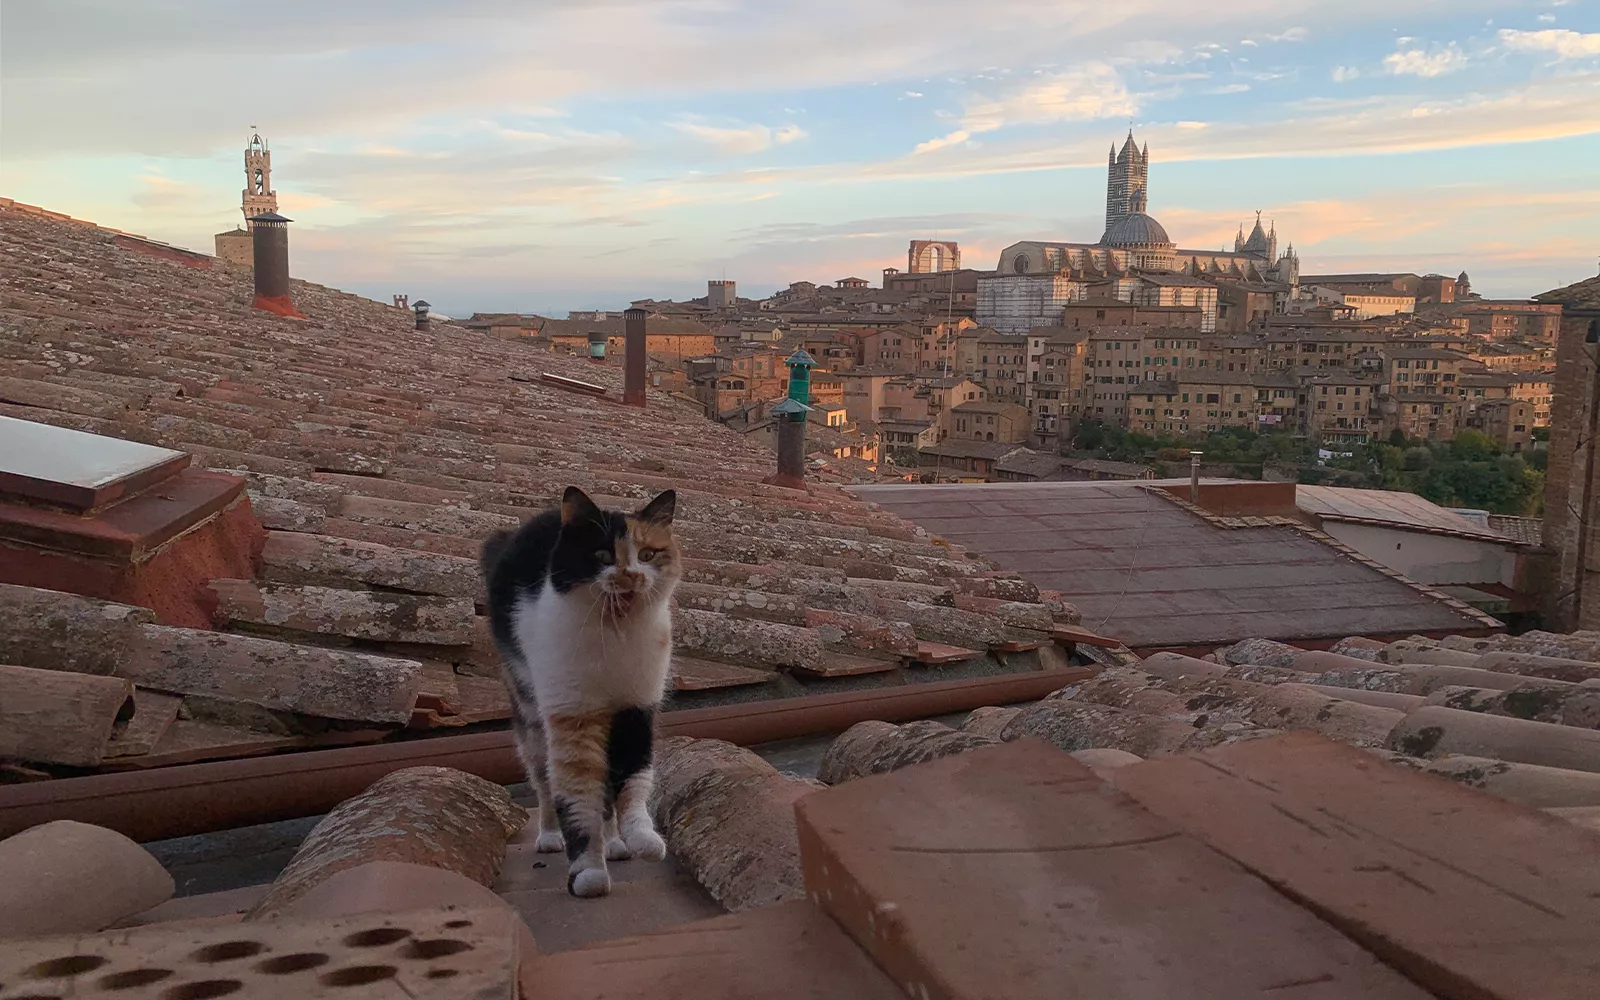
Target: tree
1473	446
1417	459
1091	435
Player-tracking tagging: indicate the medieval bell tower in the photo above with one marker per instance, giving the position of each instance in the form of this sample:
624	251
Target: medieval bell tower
1127	178
259	197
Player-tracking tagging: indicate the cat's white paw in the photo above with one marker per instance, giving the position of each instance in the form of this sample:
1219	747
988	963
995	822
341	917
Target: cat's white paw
589	883
617	850
646	844
550	842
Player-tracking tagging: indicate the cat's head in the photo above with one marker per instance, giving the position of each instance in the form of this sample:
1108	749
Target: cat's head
625	559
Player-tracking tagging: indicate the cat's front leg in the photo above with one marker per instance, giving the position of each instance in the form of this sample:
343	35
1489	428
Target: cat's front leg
577	758
633	809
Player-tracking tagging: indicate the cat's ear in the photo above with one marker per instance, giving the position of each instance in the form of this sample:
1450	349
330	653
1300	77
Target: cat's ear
576	506
661	509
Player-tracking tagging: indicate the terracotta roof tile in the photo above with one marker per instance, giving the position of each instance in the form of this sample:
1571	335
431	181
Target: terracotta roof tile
379	456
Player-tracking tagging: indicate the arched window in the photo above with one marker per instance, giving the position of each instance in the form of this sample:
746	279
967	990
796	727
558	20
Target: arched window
1020	264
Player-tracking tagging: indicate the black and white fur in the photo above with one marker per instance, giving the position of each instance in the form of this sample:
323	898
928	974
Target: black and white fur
580	607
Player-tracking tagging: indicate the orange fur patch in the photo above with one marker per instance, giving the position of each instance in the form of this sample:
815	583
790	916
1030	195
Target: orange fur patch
651	535
578	751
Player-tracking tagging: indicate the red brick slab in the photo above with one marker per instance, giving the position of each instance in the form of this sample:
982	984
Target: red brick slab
790	951
1471	896
1012	871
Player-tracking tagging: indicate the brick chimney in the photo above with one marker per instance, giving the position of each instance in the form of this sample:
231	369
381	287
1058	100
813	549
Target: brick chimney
636	353
270	245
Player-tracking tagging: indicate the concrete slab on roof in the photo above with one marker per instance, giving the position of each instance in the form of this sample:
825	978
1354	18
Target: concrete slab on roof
1151	573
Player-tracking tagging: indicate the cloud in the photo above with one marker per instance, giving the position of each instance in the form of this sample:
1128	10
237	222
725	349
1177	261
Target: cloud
741	140
1093	90
157	193
1561	42
1558	107
1083	93
1230	88
952	139
1342	74
912	94
1416	62
502	144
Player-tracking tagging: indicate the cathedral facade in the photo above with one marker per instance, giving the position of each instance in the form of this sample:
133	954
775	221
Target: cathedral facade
1134	241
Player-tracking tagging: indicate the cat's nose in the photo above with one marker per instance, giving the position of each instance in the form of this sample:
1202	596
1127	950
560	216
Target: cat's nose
628	579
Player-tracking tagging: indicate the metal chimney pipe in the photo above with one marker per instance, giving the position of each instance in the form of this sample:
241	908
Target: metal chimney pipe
634	358
422	308
269	245
270	248
792	449
789	430
1194	477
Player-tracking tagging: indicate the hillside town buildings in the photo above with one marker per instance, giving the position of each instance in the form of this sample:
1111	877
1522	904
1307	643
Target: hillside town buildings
1132	330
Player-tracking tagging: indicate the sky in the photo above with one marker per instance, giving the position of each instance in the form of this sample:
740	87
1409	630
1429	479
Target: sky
572	154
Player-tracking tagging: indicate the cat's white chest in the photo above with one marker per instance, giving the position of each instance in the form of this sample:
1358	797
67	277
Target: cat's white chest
578	661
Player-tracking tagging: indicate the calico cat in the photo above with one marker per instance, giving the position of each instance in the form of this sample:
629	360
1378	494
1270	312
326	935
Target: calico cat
580	606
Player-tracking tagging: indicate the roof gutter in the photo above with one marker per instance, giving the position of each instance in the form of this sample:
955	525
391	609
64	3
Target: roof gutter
220	795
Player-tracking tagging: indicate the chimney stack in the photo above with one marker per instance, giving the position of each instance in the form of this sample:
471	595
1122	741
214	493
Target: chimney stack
790	415
790	429
422	308
635	354
270	245
1194	477
402	302
597	346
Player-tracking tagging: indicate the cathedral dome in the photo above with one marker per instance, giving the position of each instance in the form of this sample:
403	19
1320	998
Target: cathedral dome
1135	229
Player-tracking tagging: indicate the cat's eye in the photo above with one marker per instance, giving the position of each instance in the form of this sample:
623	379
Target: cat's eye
648	555
605	557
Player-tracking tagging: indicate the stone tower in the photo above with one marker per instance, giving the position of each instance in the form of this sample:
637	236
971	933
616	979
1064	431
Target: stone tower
259	198
1127	180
